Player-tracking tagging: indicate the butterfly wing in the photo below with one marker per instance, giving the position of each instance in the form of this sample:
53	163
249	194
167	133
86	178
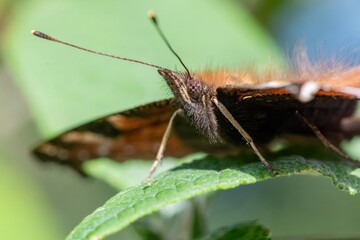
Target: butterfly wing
268	112
132	134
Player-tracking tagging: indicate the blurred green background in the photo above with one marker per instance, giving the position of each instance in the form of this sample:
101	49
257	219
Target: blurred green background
46	88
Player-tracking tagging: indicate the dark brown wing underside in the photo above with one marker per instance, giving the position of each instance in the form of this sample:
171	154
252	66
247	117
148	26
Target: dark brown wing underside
267	113
137	133
133	134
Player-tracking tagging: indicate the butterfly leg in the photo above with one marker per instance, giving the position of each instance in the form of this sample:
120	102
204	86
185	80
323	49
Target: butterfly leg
164	140
243	133
324	140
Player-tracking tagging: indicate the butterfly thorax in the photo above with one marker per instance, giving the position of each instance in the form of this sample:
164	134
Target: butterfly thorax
194	96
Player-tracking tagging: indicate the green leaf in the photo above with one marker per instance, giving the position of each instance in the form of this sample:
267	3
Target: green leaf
249	231
200	177
130	173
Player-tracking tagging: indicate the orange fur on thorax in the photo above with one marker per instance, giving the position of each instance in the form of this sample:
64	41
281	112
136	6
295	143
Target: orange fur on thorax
338	77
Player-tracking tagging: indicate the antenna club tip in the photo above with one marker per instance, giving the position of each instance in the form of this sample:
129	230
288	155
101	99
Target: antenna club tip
37	33
152	15
42	35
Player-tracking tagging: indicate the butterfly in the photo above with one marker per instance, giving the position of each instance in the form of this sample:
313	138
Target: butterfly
218	112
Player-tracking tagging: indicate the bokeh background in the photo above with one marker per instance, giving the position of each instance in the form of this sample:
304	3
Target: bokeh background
46	88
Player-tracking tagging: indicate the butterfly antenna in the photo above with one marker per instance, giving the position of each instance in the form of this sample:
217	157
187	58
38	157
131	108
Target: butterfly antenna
47	37
153	18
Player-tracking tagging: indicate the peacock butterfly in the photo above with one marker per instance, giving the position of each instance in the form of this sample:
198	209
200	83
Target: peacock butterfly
218	112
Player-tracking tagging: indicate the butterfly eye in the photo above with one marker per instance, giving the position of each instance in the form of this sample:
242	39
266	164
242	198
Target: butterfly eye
195	89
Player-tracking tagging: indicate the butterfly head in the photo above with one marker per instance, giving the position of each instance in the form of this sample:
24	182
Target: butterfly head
194	96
